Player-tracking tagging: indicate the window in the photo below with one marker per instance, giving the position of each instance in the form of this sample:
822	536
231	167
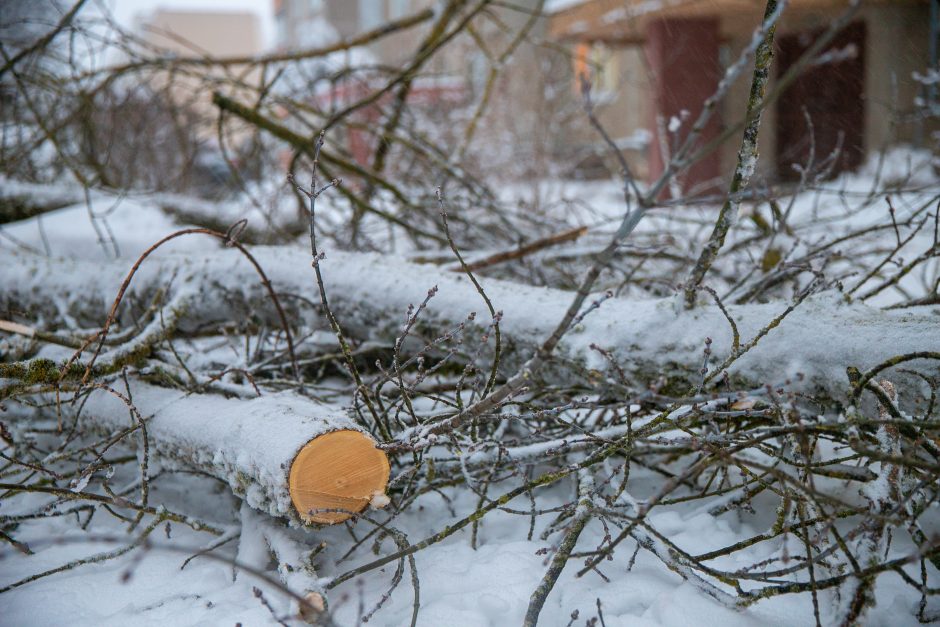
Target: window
599	63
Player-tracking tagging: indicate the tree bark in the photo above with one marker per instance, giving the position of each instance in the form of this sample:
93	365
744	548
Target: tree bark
650	340
283	454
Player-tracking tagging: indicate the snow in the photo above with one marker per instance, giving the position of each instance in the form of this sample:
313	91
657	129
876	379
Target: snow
460	587
158	593
109	225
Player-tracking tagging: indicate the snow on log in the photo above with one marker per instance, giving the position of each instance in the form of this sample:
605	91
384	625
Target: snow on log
285	455
370	293
20	200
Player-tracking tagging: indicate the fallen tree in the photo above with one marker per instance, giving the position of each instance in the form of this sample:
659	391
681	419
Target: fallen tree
810	341
20	200
283	454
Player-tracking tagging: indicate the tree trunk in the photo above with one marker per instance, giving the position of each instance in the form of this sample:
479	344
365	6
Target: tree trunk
649	339
283	454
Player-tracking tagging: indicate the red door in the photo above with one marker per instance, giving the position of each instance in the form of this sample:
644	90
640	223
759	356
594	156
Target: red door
683	58
832	94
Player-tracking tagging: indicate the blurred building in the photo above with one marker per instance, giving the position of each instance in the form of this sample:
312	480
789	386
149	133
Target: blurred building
655	63
303	24
448	84
198	34
306	24
314	23
194	33
216	34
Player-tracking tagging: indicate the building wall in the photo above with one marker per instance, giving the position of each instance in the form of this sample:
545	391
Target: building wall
683	54
293	20
897	44
195	33
897	48
514	128
300	24
215	33
621	102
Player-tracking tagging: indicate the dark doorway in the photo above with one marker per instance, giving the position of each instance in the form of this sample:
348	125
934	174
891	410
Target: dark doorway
683	59
831	93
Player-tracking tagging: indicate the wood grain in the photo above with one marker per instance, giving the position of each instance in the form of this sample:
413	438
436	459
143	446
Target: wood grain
337	470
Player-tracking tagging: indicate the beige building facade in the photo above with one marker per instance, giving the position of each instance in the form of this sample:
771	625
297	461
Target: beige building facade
453	81
214	34
657	60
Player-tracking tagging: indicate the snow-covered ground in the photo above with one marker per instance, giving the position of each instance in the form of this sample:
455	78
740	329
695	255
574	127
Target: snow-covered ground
459	586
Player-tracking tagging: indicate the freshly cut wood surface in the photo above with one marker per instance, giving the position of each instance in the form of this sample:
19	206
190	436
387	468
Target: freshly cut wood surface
340	470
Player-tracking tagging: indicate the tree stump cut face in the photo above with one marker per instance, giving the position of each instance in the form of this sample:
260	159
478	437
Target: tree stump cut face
340	470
